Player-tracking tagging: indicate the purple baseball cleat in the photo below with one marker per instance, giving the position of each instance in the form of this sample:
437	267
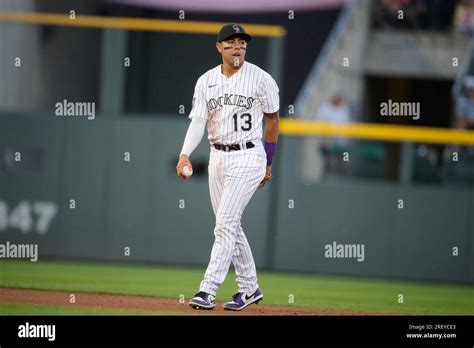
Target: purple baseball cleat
241	300
203	300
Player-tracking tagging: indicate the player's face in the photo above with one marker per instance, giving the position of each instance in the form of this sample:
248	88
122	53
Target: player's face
470	93
233	51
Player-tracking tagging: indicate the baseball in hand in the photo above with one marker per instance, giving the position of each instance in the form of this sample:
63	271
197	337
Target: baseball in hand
187	172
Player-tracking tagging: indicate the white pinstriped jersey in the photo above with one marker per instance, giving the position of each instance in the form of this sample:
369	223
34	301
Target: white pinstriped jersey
234	106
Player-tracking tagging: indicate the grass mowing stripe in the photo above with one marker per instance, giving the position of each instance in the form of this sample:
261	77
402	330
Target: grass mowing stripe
27	309
335	292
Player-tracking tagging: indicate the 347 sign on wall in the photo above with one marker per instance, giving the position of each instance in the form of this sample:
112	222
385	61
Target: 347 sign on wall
27	216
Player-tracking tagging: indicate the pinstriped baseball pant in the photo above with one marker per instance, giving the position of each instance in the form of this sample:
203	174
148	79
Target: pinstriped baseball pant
233	179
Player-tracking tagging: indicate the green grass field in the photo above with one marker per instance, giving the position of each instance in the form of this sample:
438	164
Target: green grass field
327	292
24	309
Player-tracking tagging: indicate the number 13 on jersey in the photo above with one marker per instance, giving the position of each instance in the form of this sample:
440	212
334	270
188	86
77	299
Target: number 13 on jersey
245	122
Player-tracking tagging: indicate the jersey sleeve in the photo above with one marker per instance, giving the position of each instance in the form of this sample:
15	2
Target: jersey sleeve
268	95
199	105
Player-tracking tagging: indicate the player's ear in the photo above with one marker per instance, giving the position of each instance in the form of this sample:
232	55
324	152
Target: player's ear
219	47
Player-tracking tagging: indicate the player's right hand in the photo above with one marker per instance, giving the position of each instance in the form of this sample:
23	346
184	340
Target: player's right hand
183	161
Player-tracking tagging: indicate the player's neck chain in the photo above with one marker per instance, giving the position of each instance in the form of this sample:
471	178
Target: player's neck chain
227	75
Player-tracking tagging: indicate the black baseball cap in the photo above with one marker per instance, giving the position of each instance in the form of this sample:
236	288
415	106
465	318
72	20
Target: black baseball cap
230	30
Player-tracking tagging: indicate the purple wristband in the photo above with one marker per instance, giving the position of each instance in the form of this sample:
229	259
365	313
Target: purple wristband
270	150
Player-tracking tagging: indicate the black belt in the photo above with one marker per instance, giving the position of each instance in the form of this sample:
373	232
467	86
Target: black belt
234	147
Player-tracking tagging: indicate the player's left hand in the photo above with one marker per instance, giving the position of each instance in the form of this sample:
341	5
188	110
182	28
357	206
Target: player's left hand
267	178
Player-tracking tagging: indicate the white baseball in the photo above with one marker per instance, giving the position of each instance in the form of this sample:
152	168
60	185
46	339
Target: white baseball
187	172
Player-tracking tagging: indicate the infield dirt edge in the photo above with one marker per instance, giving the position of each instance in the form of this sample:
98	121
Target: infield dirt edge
151	304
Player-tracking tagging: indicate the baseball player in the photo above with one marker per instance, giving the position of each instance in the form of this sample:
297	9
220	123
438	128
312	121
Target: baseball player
232	100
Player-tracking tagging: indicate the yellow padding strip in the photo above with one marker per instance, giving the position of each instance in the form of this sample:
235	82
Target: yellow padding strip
164	25
372	131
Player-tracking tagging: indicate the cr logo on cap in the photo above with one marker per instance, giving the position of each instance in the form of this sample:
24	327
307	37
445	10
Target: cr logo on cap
236	28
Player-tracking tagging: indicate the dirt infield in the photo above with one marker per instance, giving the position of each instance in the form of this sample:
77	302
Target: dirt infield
149	304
